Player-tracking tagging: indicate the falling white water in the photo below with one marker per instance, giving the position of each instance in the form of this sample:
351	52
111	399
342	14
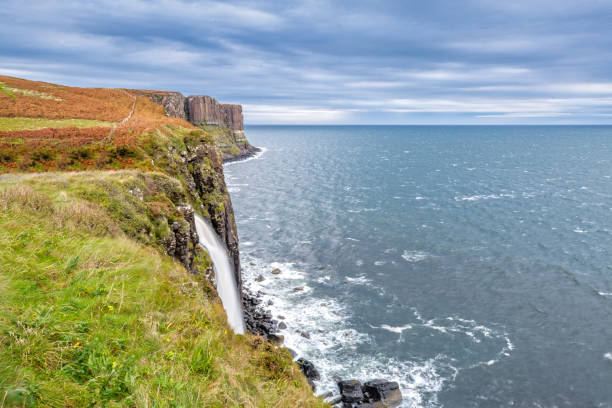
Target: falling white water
224	274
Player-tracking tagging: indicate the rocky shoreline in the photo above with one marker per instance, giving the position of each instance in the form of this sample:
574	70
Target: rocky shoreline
252	151
376	393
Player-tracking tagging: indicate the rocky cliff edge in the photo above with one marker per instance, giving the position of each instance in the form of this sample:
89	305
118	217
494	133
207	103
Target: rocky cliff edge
224	120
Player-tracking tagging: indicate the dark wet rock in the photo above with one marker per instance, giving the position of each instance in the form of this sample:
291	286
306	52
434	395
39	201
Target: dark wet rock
298	289
252	263
350	390
270	302
386	392
281	317
259	278
372	394
305	335
309	371
276	271
282	326
257	320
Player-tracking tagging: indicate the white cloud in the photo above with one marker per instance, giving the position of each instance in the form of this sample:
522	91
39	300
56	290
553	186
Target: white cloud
264	114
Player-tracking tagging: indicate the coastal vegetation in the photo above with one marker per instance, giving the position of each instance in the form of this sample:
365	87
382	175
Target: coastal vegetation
105	297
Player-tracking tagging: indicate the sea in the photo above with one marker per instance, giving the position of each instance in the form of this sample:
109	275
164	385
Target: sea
471	264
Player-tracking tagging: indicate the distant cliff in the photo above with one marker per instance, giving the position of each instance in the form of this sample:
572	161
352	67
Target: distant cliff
206	112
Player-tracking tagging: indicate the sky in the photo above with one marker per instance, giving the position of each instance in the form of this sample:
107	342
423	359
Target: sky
332	62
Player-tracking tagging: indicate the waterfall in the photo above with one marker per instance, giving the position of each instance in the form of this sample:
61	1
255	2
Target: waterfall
224	274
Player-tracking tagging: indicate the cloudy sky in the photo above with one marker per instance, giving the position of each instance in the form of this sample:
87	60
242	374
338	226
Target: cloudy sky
318	62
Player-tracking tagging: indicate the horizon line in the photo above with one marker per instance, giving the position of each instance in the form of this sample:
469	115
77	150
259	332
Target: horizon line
429	124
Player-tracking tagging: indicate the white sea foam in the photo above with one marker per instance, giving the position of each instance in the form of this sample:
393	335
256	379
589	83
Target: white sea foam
380	263
318	329
479	197
332	343
394	329
359	262
256	156
608	356
398	329
359	280
415	256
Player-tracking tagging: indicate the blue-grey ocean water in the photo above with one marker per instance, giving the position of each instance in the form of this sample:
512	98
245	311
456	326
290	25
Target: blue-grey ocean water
471	264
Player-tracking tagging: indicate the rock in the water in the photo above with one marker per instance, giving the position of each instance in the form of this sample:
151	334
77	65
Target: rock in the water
298	289
282	326
276	271
350	391
305	335
259	278
386	392
309	371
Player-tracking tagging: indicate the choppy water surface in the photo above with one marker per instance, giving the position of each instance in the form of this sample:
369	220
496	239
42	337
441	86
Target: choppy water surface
471	264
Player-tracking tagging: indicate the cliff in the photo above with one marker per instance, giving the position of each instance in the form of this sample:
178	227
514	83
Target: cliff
225	121
106	298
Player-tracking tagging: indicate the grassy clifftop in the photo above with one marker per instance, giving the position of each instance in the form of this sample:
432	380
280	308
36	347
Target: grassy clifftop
105	297
91	317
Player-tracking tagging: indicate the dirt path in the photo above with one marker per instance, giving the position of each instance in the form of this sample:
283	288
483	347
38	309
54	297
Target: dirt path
125	120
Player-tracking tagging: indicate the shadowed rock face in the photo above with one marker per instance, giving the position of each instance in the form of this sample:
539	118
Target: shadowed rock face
173	103
232	116
200	110
203	110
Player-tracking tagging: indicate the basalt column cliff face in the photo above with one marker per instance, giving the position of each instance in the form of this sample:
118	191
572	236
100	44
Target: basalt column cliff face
225	120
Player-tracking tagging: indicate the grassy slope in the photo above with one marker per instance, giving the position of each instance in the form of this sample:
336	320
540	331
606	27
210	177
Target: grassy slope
89	316
91	312
10	124
224	139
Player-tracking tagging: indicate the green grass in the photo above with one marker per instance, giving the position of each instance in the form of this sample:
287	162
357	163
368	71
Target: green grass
26	92
8	124
6	91
141	204
91	317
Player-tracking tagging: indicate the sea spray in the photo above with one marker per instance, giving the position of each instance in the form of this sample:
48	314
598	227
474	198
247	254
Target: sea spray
224	274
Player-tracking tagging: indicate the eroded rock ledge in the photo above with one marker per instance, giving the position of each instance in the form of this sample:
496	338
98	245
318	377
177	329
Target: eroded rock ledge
205	112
